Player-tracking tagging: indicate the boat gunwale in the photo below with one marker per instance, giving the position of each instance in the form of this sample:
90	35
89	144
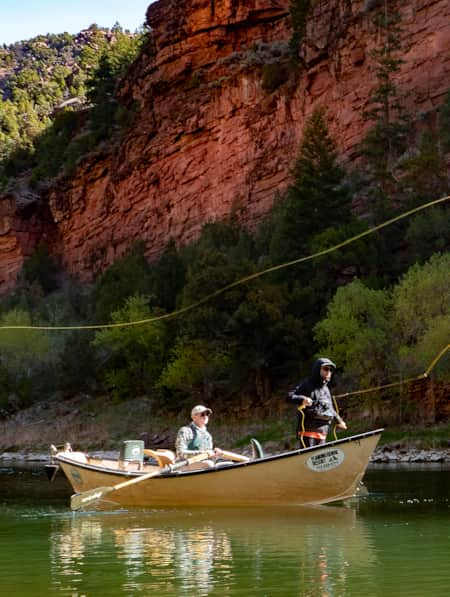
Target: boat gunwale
223	466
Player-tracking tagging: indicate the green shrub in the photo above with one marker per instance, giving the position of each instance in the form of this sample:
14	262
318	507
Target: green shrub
274	75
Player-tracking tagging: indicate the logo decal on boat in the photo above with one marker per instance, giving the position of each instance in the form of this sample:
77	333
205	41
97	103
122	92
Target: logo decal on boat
76	476
325	461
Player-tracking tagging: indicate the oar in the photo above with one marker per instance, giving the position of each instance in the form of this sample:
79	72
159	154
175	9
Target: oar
85	498
233	456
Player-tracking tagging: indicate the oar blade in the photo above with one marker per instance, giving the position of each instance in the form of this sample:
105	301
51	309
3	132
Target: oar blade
86	498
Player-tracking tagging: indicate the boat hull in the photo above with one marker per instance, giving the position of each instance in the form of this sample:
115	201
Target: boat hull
318	475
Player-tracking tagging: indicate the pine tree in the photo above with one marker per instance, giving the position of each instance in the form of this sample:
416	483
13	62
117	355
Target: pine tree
386	138
299	10
317	198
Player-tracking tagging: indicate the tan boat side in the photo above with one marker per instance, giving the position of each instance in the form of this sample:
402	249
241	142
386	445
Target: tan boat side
316	476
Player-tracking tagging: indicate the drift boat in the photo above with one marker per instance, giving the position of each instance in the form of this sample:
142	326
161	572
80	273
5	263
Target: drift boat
318	475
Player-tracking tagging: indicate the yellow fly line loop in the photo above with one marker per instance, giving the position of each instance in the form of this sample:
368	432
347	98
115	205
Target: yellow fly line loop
424	375
220	291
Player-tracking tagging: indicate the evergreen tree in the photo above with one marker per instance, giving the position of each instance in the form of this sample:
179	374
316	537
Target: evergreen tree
387	137
132	357
424	174
168	276
126	277
317	199
299	10
444	123
44	83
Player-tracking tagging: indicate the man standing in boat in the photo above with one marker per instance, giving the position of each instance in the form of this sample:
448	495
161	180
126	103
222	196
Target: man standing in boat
195	438
316	410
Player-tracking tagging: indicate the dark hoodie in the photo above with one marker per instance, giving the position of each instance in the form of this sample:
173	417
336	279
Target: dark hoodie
322	411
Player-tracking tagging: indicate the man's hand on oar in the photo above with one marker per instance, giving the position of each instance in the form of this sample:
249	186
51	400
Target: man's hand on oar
86	498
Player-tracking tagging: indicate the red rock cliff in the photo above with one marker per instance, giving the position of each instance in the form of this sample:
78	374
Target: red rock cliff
208	139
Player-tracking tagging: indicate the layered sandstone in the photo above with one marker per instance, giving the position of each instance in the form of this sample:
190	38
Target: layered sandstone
25	221
208	138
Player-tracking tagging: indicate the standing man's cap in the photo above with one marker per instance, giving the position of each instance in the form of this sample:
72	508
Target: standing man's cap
200	409
324	362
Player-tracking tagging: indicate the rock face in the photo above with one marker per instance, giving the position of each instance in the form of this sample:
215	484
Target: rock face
24	222
212	134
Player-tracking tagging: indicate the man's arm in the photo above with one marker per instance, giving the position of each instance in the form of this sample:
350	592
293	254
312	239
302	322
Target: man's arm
184	436
301	394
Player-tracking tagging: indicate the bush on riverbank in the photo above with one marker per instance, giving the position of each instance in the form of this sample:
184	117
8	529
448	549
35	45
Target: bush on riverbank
101	424
229	335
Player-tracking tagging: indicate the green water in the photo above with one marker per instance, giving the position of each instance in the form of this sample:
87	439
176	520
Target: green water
395	541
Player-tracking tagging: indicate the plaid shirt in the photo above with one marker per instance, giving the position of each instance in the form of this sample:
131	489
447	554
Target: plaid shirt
186	435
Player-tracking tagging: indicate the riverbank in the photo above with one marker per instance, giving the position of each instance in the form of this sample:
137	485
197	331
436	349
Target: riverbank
383	455
380	456
98	425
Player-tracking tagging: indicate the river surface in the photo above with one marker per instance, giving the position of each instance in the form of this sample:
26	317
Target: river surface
393	542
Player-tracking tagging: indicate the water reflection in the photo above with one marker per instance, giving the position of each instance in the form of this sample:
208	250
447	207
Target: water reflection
308	551
394	542
190	557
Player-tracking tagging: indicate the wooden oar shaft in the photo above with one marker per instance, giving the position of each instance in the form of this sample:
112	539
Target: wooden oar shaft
79	500
234	456
167	469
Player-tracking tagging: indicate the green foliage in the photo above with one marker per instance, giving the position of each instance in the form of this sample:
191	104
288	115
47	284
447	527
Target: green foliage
208	274
422	298
424	173
132	356
41	268
53	147
193	367
243	332
387	62
128	276
37	364
356	332
444	123
76	370
422	355
168	276
377	335
21	350
274	74
317	199
25	354
421	316
427	233
299	10
359	257
249	340
386	139
101	87
48	79
266	336
317	215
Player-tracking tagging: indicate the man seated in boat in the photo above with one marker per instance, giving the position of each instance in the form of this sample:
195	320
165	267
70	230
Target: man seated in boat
195	439
316	411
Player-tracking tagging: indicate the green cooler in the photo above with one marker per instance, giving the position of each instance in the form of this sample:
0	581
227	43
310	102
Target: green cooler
132	450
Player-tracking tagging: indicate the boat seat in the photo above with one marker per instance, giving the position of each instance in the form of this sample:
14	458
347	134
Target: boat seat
162	457
80	456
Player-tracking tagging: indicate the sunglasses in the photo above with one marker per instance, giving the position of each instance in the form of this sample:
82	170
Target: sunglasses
204	414
328	369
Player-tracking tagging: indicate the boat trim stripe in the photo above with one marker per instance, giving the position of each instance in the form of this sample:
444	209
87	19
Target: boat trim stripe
222	468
